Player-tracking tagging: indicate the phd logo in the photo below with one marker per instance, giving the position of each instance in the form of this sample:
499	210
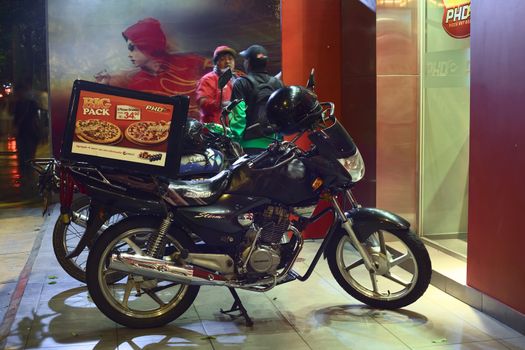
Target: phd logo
156	108
456	18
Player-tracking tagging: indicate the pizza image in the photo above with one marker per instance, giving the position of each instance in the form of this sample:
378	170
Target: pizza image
148	132
98	131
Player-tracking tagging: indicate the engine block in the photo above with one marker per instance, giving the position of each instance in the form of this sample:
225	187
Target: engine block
264	260
274	221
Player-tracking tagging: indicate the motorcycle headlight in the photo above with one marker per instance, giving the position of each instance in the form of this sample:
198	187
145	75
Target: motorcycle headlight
354	165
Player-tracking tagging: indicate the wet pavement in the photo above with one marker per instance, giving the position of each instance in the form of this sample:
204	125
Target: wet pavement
17	190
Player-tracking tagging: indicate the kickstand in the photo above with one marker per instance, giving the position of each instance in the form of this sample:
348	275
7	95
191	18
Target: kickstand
237	306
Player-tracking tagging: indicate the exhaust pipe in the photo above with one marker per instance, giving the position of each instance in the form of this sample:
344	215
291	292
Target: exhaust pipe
147	266
143	265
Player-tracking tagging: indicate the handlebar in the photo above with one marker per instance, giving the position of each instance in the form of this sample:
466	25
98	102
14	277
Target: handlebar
282	148
330	106
232	105
226	110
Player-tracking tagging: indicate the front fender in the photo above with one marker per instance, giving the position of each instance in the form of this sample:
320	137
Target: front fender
366	221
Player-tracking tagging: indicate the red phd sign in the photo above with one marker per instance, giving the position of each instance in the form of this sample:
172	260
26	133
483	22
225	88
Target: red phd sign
456	18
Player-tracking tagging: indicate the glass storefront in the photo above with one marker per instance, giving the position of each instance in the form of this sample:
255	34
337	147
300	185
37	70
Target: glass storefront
444	127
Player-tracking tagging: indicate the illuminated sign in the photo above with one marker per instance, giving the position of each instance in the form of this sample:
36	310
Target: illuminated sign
456	18
124	129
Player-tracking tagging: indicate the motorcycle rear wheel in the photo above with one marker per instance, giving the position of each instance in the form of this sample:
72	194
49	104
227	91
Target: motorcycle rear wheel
132	302
67	236
403	268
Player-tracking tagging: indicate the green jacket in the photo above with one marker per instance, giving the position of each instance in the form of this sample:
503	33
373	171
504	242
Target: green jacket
238	125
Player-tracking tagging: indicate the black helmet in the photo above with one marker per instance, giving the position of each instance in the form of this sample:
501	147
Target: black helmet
293	109
192	138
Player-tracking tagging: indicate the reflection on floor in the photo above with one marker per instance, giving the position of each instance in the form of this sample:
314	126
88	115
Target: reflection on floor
17	190
56	312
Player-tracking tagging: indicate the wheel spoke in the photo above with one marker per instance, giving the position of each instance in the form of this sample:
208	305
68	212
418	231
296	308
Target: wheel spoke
396	279
127	292
76	259
155	297
134	246
75	232
354	265
382	244
400	259
374	282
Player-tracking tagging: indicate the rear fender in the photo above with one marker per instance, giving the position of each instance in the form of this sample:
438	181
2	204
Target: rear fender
100	214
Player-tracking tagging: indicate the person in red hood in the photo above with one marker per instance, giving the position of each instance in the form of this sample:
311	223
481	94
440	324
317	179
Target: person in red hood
209	97
161	72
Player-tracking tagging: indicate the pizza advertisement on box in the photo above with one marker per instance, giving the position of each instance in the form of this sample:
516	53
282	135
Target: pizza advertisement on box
124	128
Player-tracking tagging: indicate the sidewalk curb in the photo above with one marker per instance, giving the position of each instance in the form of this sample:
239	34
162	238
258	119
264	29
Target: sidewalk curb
16	297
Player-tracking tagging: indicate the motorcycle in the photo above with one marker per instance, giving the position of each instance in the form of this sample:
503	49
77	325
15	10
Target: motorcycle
242	228
71	241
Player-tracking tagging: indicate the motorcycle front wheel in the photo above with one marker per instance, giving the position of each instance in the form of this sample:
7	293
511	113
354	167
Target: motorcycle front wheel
402	263
67	236
136	301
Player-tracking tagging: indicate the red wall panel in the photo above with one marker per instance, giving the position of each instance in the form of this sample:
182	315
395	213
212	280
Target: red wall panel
497	152
311	38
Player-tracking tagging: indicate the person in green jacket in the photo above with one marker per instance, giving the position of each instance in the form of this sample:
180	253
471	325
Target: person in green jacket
248	122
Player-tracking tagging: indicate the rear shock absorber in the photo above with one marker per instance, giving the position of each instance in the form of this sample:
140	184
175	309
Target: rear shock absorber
157	242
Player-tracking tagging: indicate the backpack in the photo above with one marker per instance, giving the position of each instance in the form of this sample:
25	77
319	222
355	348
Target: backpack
257	124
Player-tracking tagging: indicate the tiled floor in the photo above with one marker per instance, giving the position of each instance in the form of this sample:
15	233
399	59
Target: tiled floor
454	245
55	312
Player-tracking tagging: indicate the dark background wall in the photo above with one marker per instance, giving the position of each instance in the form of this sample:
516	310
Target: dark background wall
497	152
338	39
23	56
358	89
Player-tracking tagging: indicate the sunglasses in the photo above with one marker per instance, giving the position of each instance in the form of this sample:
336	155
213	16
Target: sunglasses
131	47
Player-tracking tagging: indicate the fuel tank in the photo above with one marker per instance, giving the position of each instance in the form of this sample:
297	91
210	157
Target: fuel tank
286	183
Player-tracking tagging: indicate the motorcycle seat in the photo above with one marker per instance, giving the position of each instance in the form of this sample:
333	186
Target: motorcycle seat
197	192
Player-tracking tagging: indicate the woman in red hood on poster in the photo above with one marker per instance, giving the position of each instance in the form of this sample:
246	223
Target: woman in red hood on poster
160	71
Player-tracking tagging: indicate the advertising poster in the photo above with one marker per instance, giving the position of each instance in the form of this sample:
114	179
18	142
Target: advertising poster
114	42
122	128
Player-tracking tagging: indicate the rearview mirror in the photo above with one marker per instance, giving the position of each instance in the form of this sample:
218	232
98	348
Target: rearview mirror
225	78
310	84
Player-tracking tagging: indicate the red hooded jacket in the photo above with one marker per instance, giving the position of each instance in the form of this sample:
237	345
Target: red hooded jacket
179	73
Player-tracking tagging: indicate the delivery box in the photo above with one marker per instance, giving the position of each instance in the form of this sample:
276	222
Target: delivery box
125	129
